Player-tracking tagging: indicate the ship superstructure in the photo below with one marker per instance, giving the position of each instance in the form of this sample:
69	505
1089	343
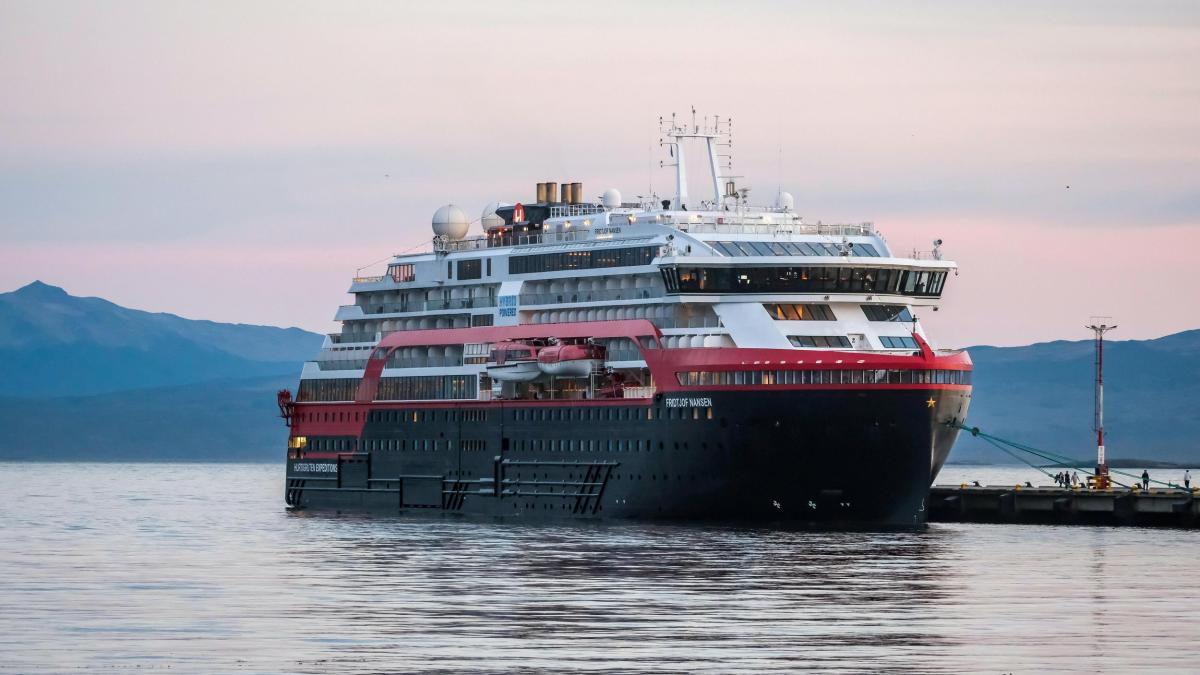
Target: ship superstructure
554	363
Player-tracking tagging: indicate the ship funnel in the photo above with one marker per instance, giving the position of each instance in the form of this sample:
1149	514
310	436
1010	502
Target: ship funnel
551	189
566	193
541	193
576	193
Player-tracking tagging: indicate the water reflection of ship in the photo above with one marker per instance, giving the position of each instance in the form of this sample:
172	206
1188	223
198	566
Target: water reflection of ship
873	601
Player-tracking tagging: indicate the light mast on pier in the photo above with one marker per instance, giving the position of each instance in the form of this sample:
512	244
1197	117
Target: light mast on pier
1098	330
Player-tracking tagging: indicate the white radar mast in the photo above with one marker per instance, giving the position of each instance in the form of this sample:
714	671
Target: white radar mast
715	132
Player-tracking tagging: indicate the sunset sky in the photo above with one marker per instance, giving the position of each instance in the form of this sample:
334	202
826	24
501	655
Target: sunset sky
238	161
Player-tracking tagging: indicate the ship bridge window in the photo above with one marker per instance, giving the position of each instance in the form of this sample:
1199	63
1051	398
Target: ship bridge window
735	249
922	283
898	313
469	269
761	248
819	340
898	342
808	312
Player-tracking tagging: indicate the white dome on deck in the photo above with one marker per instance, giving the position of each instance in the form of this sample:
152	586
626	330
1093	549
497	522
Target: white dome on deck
611	198
451	222
489	219
785	201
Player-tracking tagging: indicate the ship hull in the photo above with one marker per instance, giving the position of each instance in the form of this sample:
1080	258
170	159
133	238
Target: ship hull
808	457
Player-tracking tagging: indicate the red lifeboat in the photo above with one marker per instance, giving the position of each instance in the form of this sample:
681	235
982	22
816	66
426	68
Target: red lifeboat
571	360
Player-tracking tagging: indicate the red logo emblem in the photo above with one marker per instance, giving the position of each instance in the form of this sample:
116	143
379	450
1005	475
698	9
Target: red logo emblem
518	213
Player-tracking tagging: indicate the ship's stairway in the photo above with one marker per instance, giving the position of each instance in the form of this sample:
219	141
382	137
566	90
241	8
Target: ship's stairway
581	492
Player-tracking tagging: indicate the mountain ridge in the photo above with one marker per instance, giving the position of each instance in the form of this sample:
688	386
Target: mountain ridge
59	344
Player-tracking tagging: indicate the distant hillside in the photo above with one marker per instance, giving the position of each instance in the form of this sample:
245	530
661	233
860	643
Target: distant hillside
56	344
1042	395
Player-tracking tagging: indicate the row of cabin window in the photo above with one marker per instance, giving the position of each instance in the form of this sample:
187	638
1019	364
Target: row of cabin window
818	312
331	444
704	378
582	260
833	341
841	341
402	272
410	388
415	416
607	414
427	387
595	445
329	416
423	444
739	249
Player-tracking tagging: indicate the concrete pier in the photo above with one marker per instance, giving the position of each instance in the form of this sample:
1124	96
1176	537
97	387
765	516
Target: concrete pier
1054	505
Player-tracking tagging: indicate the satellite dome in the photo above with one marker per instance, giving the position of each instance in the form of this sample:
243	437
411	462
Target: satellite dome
785	201
489	219
450	221
611	198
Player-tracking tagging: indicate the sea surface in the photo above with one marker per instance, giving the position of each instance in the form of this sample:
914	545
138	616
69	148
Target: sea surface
199	568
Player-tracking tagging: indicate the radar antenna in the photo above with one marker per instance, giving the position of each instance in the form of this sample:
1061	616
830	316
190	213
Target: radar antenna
715	131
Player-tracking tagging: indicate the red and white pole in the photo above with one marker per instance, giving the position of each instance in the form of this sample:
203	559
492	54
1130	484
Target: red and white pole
1102	479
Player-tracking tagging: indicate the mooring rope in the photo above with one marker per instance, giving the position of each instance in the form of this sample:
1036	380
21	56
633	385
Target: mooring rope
1048	455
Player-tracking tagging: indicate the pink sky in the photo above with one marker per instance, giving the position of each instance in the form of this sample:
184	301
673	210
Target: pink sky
228	161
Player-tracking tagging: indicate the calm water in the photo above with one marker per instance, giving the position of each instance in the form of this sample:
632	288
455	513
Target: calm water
197	568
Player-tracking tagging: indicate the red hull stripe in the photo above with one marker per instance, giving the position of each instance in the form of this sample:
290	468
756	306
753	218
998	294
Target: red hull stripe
303	426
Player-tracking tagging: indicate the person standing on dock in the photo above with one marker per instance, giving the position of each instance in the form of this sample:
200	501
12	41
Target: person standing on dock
1187	479
1074	478
1145	479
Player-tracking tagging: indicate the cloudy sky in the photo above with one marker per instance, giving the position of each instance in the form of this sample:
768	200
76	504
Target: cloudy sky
238	161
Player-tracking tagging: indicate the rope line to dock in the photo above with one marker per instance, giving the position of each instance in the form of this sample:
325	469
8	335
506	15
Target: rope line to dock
1048	455
1017	457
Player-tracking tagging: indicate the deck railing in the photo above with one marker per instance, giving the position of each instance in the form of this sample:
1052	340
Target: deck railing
424	306
566	297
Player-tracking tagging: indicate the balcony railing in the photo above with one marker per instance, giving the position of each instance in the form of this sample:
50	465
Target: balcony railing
425	306
688	322
564	297
623	355
478	243
709	225
342	364
346	338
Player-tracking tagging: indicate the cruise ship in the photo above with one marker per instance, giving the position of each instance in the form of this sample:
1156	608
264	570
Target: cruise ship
679	358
